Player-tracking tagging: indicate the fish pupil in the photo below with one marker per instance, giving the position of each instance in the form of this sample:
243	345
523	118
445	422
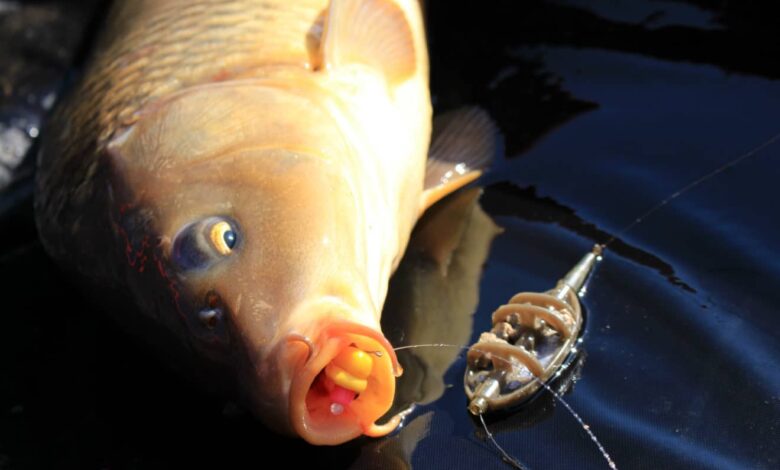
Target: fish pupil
230	238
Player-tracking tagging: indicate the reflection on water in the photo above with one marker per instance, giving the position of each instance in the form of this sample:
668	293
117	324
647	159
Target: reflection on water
395	452
604	112
435	292
541	406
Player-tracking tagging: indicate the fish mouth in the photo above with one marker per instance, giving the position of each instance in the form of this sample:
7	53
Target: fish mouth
319	410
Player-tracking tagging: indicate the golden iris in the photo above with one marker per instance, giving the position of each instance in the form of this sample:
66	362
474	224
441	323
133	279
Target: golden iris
222	237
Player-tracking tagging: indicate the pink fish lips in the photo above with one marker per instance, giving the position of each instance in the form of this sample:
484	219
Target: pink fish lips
344	383
289	188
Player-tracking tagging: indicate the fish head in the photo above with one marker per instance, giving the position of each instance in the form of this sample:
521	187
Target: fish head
258	245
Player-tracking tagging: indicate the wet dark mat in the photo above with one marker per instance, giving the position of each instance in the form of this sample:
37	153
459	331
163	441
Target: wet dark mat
605	111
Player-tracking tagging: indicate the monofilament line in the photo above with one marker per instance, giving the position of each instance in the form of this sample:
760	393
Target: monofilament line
507	458
510	460
586	427
692	185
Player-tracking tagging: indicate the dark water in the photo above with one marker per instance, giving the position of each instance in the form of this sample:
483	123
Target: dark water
605	110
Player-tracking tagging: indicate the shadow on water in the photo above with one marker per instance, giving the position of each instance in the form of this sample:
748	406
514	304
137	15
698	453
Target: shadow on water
605	108
507	199
435	292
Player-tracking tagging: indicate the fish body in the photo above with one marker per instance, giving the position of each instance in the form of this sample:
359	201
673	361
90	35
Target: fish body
237	180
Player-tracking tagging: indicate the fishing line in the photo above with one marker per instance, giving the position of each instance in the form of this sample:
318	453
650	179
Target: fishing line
730	164
507	458
504	454
638	220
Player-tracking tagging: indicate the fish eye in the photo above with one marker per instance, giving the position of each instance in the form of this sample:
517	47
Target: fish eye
200	244
223	237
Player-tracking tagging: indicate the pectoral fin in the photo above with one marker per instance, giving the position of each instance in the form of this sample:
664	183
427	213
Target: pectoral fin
462	146
370	32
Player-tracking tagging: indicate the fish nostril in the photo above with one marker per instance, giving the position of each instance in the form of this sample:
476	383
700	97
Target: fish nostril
212	299
212	313
209	317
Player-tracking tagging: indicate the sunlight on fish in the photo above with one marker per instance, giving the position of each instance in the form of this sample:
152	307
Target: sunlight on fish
274	154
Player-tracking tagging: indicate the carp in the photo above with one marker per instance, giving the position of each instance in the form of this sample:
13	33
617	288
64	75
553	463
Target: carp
235	181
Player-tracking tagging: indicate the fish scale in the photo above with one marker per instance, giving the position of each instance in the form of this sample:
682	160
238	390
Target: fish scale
219	37
225	150
166	46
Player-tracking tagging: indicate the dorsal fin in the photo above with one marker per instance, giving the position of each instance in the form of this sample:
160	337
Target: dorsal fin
462	145
370	32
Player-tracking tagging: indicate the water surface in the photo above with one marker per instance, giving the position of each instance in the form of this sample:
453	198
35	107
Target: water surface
604	111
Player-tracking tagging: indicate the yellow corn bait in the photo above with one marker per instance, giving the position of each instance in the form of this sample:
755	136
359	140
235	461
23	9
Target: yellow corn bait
350	369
